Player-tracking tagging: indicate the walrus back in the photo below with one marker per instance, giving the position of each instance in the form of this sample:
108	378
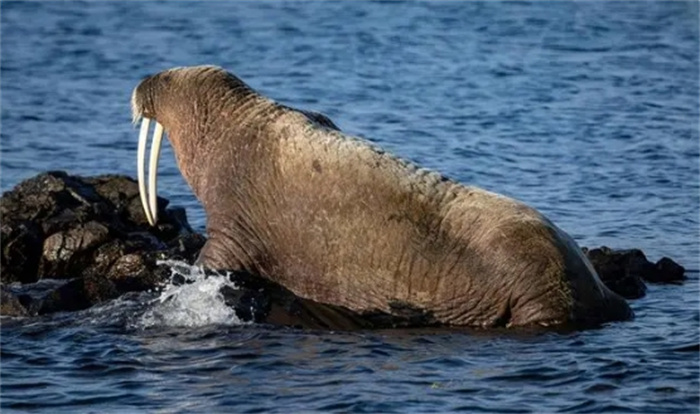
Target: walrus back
367	230
337	220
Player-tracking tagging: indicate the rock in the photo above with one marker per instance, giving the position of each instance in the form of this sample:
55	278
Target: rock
249	304
186	247
620	270
624	271
10	304
667	271
91	230
137	272
79	294
67	253
21	250
123	194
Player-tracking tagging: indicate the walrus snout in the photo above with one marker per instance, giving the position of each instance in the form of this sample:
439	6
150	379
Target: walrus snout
143	109
151	100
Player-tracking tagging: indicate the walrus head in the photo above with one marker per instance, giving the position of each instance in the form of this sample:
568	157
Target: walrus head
170	99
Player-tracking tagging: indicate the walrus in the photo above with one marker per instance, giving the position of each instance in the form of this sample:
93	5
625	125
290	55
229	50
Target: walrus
338	221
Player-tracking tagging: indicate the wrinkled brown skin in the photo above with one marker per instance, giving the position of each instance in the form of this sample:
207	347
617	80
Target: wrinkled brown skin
338	221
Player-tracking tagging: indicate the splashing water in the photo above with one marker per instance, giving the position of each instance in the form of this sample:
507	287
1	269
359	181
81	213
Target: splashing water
190	298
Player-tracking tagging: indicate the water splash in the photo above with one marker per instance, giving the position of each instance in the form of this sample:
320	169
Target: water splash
190	298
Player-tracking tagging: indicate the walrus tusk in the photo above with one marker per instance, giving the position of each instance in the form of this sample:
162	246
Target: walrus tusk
140	158
153	171
149	199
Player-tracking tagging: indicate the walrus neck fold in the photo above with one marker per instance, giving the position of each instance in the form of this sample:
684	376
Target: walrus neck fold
203	110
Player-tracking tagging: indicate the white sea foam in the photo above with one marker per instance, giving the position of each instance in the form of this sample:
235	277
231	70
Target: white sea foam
196	302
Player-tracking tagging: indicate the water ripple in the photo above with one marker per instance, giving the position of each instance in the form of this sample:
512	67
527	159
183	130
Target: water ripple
586	110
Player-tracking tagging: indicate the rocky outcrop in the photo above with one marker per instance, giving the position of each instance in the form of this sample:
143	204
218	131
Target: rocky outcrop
625	271
91	234
90	230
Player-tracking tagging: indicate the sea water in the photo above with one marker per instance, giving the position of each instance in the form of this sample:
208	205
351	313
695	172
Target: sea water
587	111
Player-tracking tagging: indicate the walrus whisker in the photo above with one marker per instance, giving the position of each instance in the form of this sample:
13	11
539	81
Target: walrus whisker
153	171
140	164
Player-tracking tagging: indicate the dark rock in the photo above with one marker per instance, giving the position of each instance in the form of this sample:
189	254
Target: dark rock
179	280
67	253
79	294
624	271
92	230
620	270
128	268
667	271
122	193
21	250
186	247
137	272
106	255
118	189
179	215
249	304
10	304
31	295
30	303
44	198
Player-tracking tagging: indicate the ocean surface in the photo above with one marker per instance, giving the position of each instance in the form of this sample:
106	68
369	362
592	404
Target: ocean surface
587	111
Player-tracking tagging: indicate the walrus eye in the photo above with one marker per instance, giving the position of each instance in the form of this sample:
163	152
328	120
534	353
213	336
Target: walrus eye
149	199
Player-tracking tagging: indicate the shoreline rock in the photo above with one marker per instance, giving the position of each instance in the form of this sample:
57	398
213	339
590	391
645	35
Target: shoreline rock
626	271
92	232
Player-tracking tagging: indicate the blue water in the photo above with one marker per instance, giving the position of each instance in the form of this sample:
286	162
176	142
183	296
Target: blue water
586	110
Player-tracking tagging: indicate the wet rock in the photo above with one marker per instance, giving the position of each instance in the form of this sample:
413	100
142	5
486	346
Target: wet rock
79	294
137	272
619	270
178	215
624	271
249	304
91	230
10	304
68	252
21	250
31	304
186	247
666	271
31	295
123	195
